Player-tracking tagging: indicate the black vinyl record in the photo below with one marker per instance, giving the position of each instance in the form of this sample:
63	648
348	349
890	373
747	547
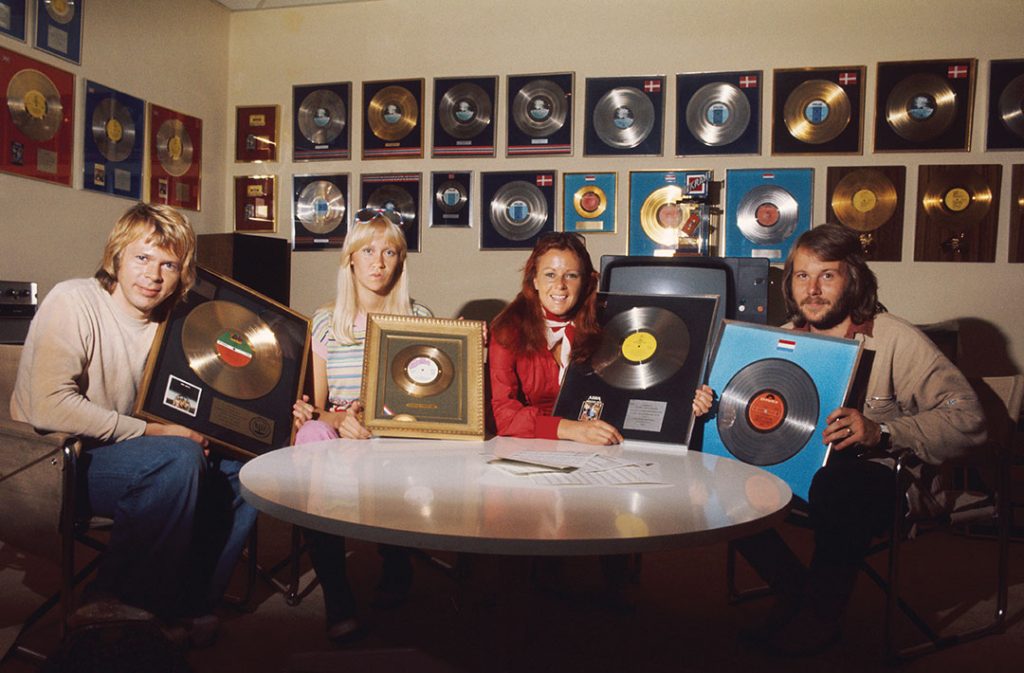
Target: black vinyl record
924	105
718	113
1006	105
399	192
818	110
644	373
767	412
539	119
624	115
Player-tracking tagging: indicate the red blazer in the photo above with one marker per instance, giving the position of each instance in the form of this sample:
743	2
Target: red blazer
523	392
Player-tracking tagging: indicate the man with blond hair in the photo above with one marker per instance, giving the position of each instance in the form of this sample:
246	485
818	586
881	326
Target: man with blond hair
80	372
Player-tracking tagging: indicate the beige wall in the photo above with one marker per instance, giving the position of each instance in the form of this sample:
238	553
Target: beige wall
176	54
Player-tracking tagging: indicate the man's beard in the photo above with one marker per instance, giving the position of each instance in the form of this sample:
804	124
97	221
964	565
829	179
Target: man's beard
836	314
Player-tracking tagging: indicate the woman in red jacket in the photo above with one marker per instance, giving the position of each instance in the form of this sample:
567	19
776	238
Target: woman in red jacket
551	320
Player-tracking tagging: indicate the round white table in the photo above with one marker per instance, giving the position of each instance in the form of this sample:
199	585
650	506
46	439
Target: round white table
443	495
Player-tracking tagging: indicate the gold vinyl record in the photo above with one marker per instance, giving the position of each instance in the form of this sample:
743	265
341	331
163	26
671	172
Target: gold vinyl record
422	371
320	207
321	116
61	11
518	210
920	107
1011	106
768	411
464	110
666	219
767	214
816	111
174	147
113	129
590	201
392	113
717	114
393	197
864	199
34	104
451	196
539	108
957	198
623	117
641	348
231	349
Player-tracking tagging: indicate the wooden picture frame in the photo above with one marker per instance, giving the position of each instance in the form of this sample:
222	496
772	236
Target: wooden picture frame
256	203
424	377
257	133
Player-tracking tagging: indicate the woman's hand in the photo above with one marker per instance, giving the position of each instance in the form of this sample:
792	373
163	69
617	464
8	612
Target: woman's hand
350	425
702	400
302	411
589	432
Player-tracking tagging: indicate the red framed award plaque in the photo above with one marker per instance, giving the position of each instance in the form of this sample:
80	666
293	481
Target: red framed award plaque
255	203
256	132
175	158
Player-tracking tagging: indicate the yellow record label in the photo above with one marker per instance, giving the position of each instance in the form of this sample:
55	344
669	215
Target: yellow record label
114	130
35	103
957	199
60	6
254	190
639	346
257	120
864	200
174	147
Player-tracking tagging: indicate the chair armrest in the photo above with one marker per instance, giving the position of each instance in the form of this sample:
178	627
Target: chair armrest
33	467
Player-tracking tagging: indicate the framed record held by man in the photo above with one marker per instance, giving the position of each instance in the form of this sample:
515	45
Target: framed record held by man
423	377
228	363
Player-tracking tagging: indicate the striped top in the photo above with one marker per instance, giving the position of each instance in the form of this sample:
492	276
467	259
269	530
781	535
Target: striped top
344	363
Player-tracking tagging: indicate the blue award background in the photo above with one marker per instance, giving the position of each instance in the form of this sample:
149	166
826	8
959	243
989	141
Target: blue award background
641	185
799	182
829	361
94	95
571	219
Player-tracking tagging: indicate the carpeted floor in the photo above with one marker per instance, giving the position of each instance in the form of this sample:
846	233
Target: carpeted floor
496	620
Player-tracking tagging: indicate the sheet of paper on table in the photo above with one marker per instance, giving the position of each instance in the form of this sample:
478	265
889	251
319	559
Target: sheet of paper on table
559	468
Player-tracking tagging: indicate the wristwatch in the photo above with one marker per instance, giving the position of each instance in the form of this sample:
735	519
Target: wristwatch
885	441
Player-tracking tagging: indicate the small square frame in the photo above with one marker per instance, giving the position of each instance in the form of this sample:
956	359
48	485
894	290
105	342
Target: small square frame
257	130
431	366
256	203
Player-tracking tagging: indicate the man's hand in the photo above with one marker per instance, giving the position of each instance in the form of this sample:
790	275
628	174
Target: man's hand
848	427
171	430
702	400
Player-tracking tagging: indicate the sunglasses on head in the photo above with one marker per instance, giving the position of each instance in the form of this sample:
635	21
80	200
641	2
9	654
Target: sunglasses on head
367	214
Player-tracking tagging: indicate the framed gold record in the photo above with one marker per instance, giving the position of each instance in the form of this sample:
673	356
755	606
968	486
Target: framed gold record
1017	215
925	105
870	200
393	119
818	111
423	377
227	363
957	209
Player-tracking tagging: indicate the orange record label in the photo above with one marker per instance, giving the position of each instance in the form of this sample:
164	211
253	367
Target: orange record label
766	411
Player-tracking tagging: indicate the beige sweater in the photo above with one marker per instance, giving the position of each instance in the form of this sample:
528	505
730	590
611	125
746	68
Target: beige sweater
82	365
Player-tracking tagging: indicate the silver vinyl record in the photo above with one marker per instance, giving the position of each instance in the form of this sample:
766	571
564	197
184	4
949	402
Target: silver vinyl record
1011	105
393	197
539	108
641	348
35	104
624	117
767	214
717	114
174	147
451	196
113	129
320	207
464	110
321	116
768	412
518	210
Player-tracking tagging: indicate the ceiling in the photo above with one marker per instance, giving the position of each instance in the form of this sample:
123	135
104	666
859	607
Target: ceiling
245	5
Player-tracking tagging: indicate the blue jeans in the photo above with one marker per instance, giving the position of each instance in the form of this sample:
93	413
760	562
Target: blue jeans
179	522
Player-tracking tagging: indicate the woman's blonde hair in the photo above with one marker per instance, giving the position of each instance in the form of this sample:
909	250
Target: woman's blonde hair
346	305
160	225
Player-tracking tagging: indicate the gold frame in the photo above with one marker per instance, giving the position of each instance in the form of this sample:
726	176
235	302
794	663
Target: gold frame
464	338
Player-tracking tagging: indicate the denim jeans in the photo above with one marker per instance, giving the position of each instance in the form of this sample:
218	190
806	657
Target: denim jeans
179	522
